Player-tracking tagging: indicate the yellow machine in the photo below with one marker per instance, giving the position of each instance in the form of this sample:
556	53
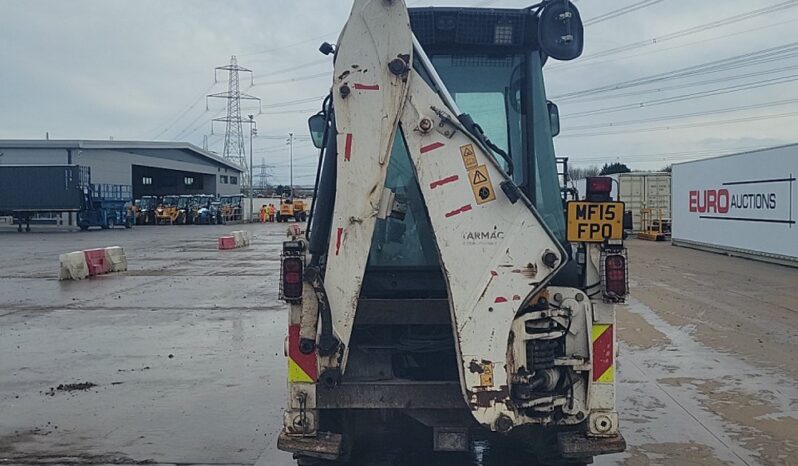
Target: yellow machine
653	229
167	211
292	209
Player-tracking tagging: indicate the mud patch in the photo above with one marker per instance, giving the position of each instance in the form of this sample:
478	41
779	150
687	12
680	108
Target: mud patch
761	427
672	454
70	387
635	330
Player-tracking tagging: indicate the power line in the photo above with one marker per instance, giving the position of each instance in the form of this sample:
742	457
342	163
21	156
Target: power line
684	97
684	115
687	32
723	79
184	112
683	126
620	12
767	55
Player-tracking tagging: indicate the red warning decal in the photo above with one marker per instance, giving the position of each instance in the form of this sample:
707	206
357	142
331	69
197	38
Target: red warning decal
338	240
431	147
602	353
443	181
367	87
348	147
459	211
500	299
302	367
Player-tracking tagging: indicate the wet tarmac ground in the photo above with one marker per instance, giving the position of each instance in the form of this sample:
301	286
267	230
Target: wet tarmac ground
180	360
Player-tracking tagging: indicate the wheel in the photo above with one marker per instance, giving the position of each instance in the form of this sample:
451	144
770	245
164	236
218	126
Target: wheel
82	227
19	228
183	219
279	218
298	217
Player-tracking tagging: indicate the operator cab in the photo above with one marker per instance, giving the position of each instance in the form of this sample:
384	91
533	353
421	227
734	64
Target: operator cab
491	62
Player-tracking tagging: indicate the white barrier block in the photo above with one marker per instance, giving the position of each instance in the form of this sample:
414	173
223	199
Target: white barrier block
73	266
239	236
247	238
117	261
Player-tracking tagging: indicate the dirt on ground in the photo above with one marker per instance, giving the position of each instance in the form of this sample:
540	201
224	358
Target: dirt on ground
735	309
742	306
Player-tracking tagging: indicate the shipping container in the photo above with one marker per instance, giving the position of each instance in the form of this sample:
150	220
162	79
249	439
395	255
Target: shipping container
42	188
638	190
641	190
742	204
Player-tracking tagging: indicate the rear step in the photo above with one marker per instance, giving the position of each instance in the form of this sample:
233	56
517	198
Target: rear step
325	445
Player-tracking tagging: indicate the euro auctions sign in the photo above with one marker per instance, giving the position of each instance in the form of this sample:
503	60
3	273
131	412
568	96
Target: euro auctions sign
744	202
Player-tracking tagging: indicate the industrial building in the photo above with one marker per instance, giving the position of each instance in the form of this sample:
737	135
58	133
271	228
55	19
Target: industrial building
151	168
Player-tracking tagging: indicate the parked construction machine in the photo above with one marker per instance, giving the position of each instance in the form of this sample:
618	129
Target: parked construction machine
167	211
145	214
440	285
291	208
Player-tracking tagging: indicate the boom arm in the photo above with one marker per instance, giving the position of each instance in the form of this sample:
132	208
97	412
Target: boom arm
495	251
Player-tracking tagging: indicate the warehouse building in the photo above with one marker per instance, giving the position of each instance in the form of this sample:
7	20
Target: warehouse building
151	168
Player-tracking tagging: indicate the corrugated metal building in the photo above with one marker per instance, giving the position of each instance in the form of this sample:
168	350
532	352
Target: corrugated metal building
151	168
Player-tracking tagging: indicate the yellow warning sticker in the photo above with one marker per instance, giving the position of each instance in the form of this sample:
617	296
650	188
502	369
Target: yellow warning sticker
486	376
469	156
481	184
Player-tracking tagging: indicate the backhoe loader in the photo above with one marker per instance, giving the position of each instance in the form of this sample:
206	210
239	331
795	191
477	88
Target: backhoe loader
440	285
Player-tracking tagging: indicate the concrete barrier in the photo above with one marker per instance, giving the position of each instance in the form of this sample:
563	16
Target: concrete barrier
240	239
91	262
227	242
116	259
73	266
95	260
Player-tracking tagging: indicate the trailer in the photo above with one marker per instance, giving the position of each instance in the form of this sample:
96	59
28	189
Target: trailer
741	204
30	190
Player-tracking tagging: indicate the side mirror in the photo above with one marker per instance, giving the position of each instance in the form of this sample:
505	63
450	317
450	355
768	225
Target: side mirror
554	118
316	124
560	30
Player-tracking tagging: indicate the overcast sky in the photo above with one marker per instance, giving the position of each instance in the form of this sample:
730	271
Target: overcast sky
139	70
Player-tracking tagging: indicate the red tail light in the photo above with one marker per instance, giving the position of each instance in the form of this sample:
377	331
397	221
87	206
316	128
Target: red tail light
292	279
599	188
615	275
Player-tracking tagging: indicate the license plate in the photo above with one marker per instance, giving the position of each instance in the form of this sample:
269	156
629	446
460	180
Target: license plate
594	222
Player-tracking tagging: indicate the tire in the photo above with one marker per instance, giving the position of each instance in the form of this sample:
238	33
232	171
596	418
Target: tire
111	223
298	217
82	227
279	218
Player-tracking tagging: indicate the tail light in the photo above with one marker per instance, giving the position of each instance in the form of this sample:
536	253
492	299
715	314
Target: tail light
599	188
615	277
292	279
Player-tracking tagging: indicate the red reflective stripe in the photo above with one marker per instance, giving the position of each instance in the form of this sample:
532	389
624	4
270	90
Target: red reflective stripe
465	208
306	362
338	240
443	181
602	353
367	87
500	299
348	147
429	147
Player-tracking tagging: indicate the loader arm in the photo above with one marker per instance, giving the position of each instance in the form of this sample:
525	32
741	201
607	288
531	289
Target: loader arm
495	251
